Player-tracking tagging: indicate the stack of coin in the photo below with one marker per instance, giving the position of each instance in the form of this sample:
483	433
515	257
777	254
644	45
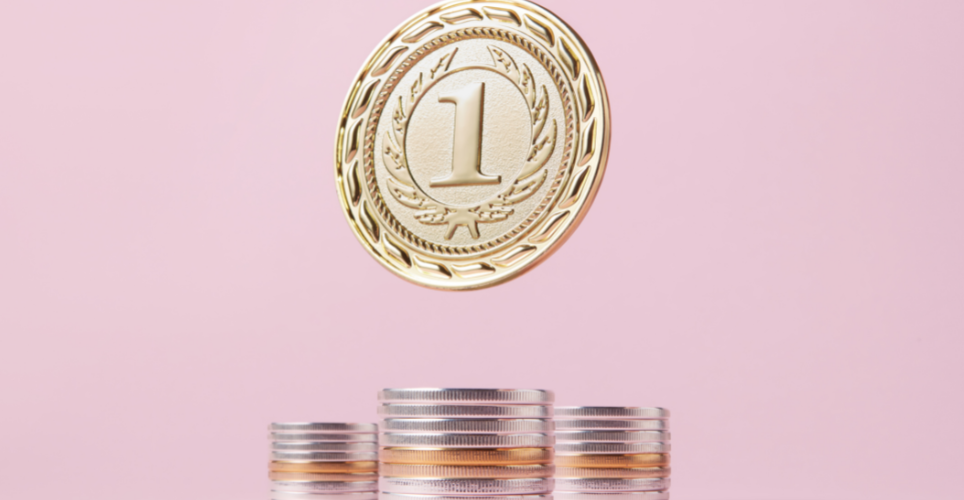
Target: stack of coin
323	461
617	453
443	444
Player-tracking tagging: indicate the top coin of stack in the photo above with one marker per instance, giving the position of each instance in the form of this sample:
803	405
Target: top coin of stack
323	461
441	443
620	453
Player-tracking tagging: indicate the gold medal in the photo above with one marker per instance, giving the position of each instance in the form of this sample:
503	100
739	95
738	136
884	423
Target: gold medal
472	143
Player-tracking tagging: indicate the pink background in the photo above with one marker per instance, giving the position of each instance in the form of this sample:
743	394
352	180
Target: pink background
775	254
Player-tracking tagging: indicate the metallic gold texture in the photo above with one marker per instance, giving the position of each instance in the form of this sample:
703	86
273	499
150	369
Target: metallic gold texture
472	143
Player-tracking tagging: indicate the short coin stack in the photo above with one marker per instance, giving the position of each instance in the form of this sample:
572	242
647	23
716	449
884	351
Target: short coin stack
323	461
447	444
612	453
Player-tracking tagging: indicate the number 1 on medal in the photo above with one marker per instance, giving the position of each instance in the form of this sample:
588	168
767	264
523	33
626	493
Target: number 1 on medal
467	150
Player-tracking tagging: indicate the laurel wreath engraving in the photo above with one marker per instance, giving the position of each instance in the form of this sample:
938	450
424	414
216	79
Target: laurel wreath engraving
497	208
574	185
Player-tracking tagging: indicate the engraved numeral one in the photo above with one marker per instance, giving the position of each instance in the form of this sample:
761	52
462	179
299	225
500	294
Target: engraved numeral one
467	150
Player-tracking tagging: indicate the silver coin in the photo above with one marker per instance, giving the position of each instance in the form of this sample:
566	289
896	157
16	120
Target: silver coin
464	411
472	396
610	448
324	486
467	440
623	412
343	477
619	495
465	486
612	425
613	436
319	456
324	446
317	437
329	427
303	495
611	484
470	471
478	426
405	496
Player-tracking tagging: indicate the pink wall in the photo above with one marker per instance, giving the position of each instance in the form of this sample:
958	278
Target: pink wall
775	254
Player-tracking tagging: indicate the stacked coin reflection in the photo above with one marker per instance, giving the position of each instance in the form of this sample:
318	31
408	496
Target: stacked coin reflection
440	444
323	461
617	453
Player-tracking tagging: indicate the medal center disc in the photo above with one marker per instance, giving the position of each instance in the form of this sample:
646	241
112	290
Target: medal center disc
470	142
445	115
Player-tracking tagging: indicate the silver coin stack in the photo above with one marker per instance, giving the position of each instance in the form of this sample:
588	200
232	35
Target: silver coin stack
466	444
612	453
323	461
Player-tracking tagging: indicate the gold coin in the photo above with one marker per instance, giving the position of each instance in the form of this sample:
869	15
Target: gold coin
614	461
514	456
472	143
327	467
618	473
467	471
321	476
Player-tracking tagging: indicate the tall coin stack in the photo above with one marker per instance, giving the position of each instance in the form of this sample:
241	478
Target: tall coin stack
612	453
475	444
323	461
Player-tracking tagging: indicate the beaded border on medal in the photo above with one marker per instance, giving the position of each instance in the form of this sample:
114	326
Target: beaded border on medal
585	133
